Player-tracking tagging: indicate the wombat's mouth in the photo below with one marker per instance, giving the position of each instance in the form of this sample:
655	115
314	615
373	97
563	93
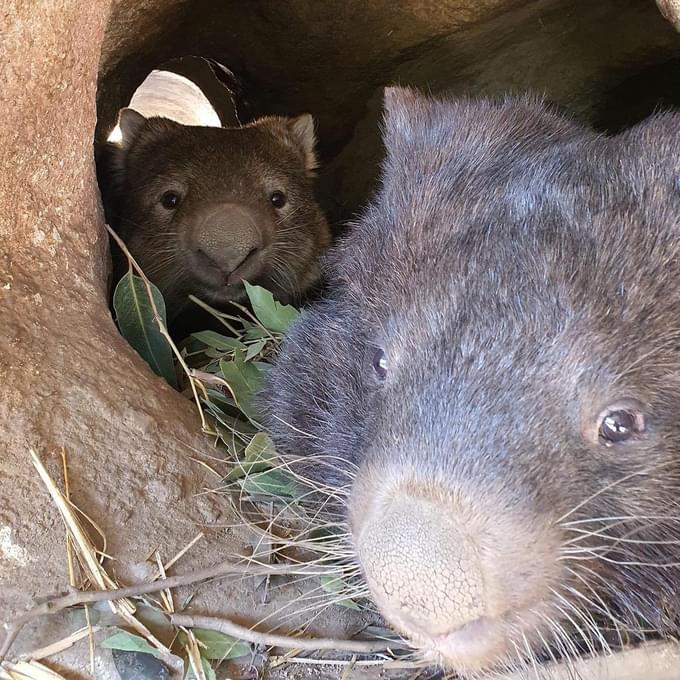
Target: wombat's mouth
223	287
251	266
477	645
472	643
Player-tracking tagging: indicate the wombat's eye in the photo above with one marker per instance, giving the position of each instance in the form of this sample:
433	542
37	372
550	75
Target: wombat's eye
380	364
170	200
278	199
619	424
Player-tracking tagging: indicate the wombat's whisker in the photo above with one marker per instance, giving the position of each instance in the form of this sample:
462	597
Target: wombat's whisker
292	427
638	473
569	652
547	648
327	553
529	654
623	518
314	483
661	347
328	459
623	563
581	633
591	605
620	539
288	215
562	638
599	608
282	276
291	605
590	624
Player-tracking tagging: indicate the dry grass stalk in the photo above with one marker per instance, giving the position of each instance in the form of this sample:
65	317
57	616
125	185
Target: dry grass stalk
69	544
166	594
87	556
178	556
194	655
90	637
28	670
83	547
65	643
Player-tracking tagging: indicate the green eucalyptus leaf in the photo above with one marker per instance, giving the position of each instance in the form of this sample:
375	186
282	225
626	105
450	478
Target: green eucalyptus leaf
271	314
218	341
336	586
256	333
258	456
129	643
245	380
135	318
215	645
270	483
255	348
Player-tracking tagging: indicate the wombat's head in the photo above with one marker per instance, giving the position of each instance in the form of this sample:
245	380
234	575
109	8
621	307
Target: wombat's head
204	208
496	376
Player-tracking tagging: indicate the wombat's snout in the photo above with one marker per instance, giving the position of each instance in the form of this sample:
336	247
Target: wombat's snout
228	243
446	571
413	550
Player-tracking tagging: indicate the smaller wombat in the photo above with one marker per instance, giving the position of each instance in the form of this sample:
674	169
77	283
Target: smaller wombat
204	208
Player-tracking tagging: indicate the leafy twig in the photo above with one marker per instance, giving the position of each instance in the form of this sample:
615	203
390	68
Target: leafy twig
159	321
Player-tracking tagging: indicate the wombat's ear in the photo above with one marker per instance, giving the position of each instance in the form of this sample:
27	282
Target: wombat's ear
296	133
401	105
302	132
130	123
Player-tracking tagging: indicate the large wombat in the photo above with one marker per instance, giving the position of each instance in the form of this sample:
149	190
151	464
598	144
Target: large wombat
203	208
495	376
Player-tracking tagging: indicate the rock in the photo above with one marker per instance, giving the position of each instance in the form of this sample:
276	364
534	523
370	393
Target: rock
671	10
137	666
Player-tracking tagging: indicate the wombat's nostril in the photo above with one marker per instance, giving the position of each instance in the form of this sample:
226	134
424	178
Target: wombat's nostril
228	240
252	253
233	262
421	566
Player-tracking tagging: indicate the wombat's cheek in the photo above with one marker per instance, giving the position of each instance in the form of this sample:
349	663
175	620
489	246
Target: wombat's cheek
462	578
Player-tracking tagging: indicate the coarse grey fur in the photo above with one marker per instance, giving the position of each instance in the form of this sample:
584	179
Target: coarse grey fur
521	274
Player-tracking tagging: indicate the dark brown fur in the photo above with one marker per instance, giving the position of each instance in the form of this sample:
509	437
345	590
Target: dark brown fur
225	178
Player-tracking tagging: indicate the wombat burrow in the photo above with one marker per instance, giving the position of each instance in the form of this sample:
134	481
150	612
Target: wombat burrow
202	209
492	382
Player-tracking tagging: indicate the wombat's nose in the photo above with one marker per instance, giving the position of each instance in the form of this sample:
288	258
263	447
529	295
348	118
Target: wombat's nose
228	237
421	566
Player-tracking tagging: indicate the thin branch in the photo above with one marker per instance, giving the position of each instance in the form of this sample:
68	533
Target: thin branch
73	599
286	641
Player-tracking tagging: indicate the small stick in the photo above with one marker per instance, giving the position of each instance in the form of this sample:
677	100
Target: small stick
286	641
179	555
90	637
69	544
306	661
219	570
